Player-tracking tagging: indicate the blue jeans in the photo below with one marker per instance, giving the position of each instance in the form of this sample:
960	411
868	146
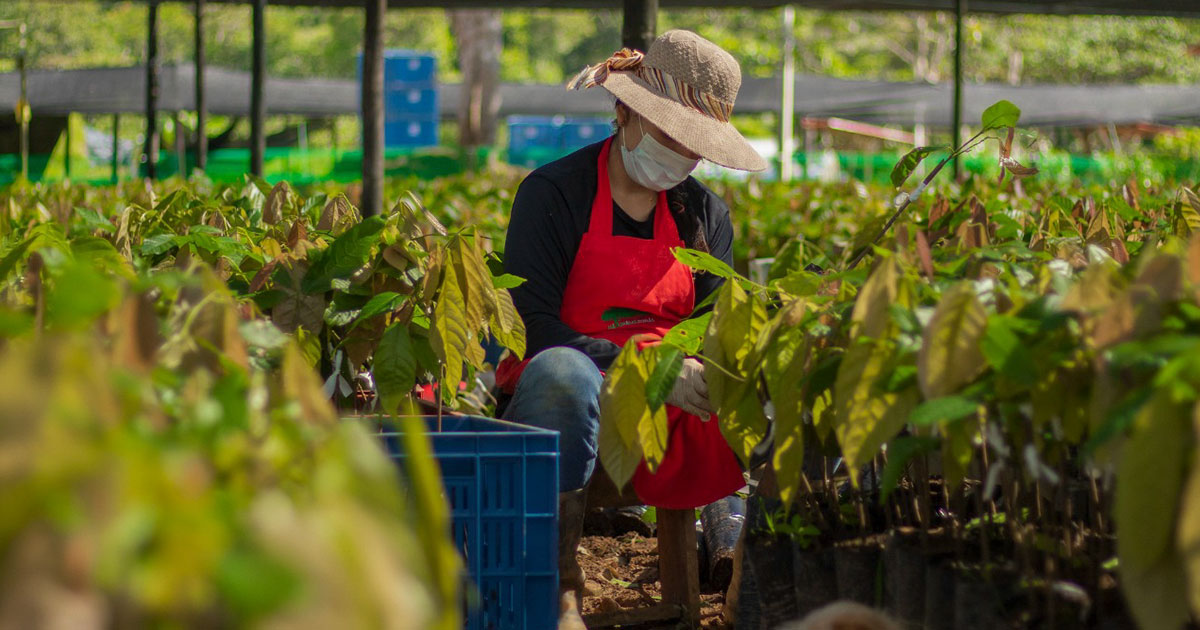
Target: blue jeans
560	390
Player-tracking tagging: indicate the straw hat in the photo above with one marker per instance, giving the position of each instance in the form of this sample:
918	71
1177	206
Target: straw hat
684	85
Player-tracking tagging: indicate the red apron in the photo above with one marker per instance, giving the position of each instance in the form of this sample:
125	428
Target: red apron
621	286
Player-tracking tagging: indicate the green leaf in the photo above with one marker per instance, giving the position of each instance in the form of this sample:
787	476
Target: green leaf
950	356
700	261
346	255
901	451
688	335
623	409
80	295
788	259
450	333
424	481
1158	594
728	344
253	583
800	283
878	294
298	309
942	410
783	369
1187	529
1001	114
1150	477
907	164
394	367
507	281
381	303
157	244
474	279
957	450
90	220
14	256
506	324
867	417
669	362
1006	353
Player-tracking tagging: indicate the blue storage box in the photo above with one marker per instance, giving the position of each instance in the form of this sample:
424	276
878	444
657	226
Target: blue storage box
408	66
534	132
536	140
410	102
501	481
414	132
577	134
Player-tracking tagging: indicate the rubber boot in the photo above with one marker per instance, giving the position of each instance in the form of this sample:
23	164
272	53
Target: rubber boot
571	508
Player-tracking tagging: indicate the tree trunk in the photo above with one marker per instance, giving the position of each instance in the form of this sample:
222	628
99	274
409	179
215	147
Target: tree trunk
477	33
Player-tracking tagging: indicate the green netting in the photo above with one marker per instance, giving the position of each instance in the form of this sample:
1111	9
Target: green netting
342	166
229	165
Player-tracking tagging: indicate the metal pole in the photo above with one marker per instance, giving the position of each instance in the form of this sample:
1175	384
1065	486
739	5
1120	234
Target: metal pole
151	148
115	146
960	7
67	149
201	97
372	108
23	105
639	25
180	145
787	114
258	105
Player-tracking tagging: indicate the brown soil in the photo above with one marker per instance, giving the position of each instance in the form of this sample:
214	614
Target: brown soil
622	572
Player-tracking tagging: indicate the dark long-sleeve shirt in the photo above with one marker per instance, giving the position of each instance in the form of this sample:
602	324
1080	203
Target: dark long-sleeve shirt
550	215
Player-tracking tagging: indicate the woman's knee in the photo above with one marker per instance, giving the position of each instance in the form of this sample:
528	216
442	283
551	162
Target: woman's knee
561	371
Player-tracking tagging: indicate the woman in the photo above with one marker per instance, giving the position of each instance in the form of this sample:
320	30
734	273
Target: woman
592	235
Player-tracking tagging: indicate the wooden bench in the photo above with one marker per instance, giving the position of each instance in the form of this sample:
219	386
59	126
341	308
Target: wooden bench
678	566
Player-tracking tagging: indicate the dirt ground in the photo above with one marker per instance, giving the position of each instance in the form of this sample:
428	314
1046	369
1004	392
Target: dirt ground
622	572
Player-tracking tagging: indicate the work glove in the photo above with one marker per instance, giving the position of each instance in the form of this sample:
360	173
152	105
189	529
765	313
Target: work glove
691	391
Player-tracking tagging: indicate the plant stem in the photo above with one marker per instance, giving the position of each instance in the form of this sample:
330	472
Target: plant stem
966	146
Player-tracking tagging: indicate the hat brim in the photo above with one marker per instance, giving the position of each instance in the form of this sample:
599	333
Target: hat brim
716	141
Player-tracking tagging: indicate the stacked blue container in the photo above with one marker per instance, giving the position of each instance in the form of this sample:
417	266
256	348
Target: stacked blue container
535	140
410	98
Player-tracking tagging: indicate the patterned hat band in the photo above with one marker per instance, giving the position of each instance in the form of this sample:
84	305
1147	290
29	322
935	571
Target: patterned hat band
626	60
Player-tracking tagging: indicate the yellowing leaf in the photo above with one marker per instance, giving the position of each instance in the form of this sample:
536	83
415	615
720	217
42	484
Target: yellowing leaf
302	384
1150	476
623	410
784	368
867	417
506	324
475	282
1157	594
729	344
1191	210
957	450
1187	530
878	293
950	356
449	333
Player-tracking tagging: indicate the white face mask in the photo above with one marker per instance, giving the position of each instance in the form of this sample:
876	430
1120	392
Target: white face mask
653	165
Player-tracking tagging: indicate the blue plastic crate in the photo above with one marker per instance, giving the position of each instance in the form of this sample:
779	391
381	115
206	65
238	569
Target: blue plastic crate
410	102
534	132
413	132
407	66
577	133
501	480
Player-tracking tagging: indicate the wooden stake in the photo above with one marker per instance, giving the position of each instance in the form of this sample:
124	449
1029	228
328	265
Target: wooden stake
678	565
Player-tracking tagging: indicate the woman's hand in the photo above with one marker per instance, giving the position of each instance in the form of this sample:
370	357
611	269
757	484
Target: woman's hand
691	391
